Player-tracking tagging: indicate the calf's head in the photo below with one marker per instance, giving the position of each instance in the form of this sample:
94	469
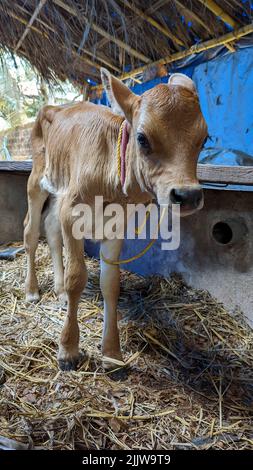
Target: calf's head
169	131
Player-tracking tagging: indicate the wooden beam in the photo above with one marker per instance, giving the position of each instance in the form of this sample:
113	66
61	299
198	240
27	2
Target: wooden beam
30	23
238	175
16	166
22	20
38	31
194	17
149	11
103	60
200	22
195	49
218	11
103	32
86	51
156	6
230	47
241	175
153	22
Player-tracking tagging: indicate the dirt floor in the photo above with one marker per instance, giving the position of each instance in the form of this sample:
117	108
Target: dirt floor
190	380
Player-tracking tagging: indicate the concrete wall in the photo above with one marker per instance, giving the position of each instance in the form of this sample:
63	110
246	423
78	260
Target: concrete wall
13	206
224	269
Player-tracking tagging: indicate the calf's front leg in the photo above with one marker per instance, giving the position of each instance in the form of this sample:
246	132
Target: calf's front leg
54	238
74	281
110	287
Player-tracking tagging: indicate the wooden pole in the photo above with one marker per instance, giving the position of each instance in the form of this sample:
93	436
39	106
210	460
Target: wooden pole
36	30
200	21
86	51
156	6
239	175
195	49
218	11
150	11
22	20
102	32
30	23
153	22
193	16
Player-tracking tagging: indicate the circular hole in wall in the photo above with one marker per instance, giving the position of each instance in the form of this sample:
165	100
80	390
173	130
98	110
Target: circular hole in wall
222	233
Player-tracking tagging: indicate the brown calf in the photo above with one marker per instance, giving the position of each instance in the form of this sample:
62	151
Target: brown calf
74	160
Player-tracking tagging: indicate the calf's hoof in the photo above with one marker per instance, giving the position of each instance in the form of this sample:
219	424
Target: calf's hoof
115	368
119	375
32	297
70	363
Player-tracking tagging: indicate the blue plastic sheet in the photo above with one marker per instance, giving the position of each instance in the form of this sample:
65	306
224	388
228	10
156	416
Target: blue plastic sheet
225	86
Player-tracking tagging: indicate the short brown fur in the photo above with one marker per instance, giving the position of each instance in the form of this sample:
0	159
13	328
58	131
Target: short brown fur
74	160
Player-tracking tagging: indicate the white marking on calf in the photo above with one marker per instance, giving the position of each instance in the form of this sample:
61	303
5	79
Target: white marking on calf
46	185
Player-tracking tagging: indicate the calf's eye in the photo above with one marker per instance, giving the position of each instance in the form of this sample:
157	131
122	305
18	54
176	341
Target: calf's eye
143	141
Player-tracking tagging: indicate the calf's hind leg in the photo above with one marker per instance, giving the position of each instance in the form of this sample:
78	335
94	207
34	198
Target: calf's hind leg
36	199
75	279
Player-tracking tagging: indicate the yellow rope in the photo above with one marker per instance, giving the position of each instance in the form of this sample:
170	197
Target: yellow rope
118	149
139	255
128	260
139	229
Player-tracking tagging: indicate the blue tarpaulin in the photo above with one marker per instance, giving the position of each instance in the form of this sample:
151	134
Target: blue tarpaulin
225	87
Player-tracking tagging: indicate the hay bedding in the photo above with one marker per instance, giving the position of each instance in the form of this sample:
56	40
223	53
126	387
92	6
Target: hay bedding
190	385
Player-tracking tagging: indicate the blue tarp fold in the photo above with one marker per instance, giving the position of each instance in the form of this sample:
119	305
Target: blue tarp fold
225	86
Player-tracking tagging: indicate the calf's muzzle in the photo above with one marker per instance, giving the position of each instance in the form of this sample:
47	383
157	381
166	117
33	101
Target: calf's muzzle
187	197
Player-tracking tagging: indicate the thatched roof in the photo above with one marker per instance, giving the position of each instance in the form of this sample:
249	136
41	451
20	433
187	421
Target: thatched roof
73	38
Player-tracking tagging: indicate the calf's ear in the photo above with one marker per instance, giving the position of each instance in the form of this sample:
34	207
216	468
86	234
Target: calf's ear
182	80
122	99
106	81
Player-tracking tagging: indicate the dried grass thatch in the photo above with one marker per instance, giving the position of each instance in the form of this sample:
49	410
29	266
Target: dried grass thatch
190	383
72	39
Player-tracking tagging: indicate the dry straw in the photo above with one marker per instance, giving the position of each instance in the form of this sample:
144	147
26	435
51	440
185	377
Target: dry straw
73	39
190	383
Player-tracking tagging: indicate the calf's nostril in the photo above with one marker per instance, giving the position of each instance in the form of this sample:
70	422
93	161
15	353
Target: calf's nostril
191	197
198	198
176	196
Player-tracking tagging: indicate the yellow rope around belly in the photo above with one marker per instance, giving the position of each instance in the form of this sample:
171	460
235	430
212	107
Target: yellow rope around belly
138	255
